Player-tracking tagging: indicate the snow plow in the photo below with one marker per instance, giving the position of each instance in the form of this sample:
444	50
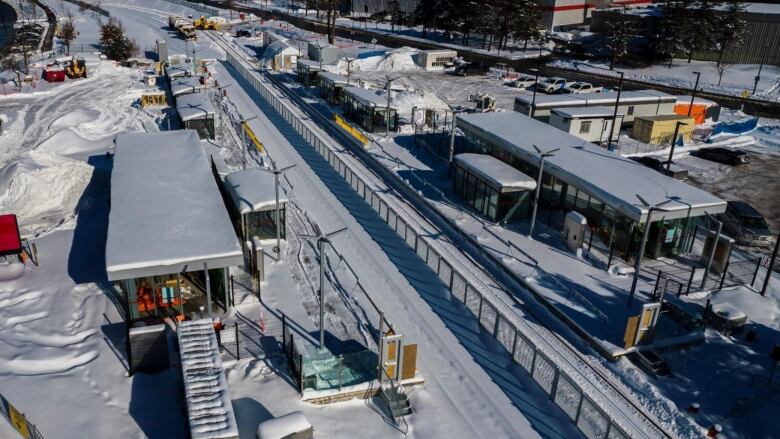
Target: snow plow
485	102
204	23
76	68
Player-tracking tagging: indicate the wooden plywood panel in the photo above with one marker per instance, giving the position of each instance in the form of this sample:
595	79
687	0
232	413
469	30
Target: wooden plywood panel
409	365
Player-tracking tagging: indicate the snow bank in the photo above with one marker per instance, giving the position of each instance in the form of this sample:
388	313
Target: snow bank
43	190
398	60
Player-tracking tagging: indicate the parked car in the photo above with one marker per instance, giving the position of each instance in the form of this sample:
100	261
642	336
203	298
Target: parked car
674	171
745	224
582	87
470	69
552	85
726	156
243	33
523	81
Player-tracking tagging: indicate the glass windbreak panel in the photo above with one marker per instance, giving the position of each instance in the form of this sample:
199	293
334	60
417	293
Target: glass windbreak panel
492	204
582	201
204	127
471	185
458	180
263	224
153	298
479	196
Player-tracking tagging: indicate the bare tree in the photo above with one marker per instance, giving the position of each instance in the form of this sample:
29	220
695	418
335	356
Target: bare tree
68	32
622	32
722	67
12	62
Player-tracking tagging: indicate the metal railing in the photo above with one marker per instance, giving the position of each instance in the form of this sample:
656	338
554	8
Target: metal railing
595	415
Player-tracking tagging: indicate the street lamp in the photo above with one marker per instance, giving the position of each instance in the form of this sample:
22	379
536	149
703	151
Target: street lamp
693	95
638	262
387	110
760	67
674	142
244	126
322	239
276	173
533	99
614	115
542	155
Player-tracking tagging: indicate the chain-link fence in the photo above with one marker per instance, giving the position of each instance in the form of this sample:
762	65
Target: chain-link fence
594	414
197	6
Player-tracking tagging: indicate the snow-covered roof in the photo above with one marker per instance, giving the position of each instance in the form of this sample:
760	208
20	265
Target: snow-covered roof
367	97
762	8
283	426
194	106
686	100
209	409
309	64
333	78
586	112
498	174
279	47
591	99
167	215
253	190
188	84
179	70
611	178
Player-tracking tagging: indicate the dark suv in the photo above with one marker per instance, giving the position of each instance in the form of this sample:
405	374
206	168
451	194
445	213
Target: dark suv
674	171
726	156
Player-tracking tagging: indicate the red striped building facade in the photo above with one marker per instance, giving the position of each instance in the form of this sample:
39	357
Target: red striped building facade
557	13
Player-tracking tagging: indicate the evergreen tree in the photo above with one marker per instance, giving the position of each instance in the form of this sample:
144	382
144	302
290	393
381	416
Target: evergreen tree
527	25
68	32
394	10
618	40
115	45
673	26
702	27
732	29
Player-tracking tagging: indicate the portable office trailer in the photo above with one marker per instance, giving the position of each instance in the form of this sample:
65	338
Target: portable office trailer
492	187
632	103
332	87
702	110
280	55
660	129
328	54
307	72
435	59
595	182
369	110
196	112
593	124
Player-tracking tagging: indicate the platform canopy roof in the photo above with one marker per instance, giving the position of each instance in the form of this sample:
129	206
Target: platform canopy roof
167	215
194	106
368	97
496	173
184	85
333	78
253	190
604	174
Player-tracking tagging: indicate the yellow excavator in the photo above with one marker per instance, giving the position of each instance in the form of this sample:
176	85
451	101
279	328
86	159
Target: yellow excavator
76	68
204	23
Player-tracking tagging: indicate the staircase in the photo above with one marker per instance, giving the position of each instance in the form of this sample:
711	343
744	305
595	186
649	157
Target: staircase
397	400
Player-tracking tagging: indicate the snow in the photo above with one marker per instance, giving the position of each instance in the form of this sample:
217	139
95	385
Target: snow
166	210
396	60
194	106
253	190
281	427
503	176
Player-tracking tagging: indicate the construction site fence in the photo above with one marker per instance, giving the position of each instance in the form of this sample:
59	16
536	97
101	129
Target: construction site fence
197	6
586	412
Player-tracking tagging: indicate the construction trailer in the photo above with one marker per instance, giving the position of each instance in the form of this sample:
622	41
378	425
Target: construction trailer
196	112
332	87
701	110
369	110
280	55
660	129
436	59
327	54
631	104
593	124
308	72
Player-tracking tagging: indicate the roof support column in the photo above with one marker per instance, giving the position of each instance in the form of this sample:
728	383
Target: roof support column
208	287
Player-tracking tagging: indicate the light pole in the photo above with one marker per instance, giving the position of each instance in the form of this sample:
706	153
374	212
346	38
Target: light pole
533	99
693	95
760	67
245	127
674	142
322	239
712	251
542	155
349	66
638	262
276	173
387	110
614	114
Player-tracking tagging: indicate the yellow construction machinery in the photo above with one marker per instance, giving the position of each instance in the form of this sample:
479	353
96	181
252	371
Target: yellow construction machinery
204	23
76	68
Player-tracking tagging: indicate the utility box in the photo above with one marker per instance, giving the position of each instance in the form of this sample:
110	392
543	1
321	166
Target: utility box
722	251
328	54
574	230
660	129
162	51
727	319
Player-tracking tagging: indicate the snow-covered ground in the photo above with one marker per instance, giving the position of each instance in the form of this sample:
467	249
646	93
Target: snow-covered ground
736	78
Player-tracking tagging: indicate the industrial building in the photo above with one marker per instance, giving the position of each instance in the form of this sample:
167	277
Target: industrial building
631	104
593	124
369	110
563	14
597	183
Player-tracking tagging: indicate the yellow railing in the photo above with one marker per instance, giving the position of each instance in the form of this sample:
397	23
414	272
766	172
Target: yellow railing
251	135
351	130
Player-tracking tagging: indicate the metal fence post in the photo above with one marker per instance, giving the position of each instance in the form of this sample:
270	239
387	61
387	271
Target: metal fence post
579	408
238	345
755	272
725	272
690	281
554	387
